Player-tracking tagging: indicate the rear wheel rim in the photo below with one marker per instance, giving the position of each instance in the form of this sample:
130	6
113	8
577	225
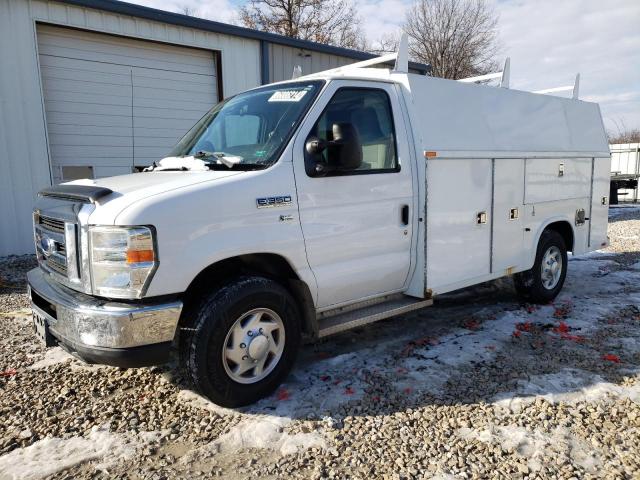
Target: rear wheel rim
551	268
253	346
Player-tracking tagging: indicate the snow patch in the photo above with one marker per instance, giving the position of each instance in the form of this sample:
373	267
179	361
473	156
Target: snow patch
52	356
52	455
534	445
268	433
568	385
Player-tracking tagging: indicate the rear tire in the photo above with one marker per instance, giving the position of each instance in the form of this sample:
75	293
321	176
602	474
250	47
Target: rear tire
242	341
544	281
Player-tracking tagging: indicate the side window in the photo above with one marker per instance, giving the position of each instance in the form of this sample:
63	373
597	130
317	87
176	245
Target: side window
369	111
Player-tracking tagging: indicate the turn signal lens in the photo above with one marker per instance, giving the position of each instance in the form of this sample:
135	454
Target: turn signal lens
140	256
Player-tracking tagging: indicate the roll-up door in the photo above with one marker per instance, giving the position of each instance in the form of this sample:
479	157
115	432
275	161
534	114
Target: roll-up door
114	103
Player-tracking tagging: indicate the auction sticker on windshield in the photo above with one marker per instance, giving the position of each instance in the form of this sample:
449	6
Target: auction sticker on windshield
287	96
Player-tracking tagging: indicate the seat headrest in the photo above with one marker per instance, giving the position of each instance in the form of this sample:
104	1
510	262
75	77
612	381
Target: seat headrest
366	121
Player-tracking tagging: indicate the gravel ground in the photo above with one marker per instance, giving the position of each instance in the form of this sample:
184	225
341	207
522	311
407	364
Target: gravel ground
479	386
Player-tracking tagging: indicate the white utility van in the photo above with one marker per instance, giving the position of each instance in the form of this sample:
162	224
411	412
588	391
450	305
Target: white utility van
304	208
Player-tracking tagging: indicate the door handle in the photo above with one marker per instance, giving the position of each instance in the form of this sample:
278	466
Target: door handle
405	214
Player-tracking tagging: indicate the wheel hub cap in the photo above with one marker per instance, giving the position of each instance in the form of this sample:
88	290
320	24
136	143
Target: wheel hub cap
258	347
551	267
253	346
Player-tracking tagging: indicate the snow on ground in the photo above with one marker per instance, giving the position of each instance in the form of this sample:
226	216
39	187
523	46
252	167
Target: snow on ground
56	356
569	386
52	356
536	446
52	455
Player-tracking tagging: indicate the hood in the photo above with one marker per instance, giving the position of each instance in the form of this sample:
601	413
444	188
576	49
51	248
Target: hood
145	184
128	189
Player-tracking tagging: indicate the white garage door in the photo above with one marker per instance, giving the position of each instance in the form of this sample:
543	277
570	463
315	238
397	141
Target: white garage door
113	103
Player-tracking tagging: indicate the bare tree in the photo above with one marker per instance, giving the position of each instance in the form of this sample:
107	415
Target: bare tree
188	10
456	37
625	136
333	22
387	43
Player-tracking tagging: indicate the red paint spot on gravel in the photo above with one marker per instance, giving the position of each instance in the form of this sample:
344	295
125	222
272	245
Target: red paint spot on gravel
8	373
471	324
609	357
283	394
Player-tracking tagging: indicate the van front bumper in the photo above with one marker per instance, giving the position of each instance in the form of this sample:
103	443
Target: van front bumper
99	330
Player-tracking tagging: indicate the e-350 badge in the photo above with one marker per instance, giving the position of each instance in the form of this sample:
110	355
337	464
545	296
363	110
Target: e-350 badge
268	202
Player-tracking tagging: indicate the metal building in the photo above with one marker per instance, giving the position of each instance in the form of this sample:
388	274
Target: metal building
94	88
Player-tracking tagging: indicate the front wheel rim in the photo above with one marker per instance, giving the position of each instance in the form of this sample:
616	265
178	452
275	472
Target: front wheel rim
551	268
253	346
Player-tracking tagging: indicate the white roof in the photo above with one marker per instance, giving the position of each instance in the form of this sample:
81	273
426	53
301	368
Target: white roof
462	119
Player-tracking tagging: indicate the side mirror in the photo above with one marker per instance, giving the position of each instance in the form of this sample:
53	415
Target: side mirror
344	152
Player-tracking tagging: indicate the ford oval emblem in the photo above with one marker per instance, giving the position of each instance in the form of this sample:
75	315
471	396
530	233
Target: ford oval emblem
48	245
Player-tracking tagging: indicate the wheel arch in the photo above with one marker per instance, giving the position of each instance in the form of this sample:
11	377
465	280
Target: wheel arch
270	265
559	224
565	229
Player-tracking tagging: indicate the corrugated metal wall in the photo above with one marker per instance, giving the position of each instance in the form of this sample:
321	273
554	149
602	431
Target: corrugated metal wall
24	159
24	152
283	59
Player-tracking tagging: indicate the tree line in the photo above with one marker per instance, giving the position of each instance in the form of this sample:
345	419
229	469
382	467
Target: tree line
456	37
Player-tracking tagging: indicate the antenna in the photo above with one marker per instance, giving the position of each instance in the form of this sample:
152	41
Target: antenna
402	56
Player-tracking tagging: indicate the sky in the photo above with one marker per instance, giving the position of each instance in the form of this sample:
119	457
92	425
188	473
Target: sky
548	42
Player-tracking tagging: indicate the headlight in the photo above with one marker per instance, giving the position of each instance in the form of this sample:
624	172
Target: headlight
123	260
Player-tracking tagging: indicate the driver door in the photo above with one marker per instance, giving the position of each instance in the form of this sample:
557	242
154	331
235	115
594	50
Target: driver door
357	224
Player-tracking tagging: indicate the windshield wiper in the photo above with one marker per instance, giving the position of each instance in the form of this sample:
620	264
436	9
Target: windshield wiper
237	166
222	157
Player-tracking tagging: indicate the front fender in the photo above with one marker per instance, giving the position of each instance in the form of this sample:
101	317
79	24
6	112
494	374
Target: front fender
205	224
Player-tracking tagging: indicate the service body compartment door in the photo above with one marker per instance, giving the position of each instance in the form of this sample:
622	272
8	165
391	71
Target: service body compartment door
458	222
598	221
508	231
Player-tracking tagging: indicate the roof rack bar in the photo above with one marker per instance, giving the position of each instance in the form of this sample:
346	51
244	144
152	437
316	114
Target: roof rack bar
575	88
400	59
502	75
390	57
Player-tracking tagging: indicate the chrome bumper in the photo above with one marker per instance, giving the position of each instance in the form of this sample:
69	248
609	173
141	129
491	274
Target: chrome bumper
86	323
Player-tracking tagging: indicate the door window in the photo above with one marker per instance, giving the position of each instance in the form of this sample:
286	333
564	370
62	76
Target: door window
369	111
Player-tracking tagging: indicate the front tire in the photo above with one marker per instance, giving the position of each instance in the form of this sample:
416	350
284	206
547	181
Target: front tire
544	281
243	341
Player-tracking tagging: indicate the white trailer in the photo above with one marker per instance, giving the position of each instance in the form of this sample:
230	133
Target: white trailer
625	171
308	207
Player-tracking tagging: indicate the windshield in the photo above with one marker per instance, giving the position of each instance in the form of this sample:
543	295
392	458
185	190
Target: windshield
252	127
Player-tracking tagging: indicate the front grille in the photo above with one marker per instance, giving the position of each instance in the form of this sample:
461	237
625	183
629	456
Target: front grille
57	264
52	224
50	237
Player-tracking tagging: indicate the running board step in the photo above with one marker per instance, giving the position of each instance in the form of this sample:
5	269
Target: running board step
373	313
